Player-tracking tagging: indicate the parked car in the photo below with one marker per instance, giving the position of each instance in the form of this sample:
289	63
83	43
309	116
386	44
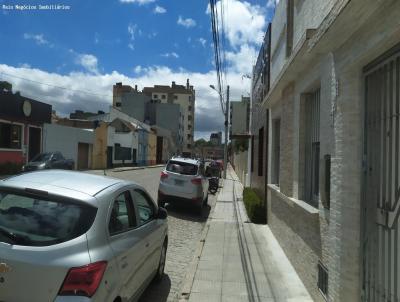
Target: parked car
72	236
183	182
49	160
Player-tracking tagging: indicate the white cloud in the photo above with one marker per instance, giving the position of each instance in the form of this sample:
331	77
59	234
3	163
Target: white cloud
89	62
242	61
202	41
132	31
140	2
170	55
159	10
244	23
188	22
131	47
208	115
24	65
138	69
39	39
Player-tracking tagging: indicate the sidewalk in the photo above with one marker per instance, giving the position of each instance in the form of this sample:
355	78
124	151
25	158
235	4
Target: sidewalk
240	261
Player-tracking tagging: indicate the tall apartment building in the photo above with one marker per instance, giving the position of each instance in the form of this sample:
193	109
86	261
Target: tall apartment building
327	144
140	106
239	116
130	101
216	138
185	97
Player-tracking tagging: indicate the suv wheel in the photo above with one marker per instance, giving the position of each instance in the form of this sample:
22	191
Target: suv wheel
161	203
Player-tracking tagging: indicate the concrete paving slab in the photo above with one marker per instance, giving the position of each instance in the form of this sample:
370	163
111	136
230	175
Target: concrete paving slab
203	297
209	275
207	286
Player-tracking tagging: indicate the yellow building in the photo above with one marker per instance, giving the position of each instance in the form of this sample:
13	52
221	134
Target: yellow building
100	147
152	148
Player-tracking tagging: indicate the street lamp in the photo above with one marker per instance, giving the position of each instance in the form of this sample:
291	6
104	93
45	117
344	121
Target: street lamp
226	123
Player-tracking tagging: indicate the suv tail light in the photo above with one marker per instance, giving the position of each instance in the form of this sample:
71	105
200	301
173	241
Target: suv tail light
196	181
163	175
84	280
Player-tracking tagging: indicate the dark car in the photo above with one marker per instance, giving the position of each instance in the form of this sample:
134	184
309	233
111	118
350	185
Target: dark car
49	160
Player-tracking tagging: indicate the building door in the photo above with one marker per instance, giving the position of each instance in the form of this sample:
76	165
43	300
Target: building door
159	151
381	181
35	142
134	159
83	156
109	157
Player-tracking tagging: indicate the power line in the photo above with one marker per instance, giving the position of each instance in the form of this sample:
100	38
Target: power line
55	86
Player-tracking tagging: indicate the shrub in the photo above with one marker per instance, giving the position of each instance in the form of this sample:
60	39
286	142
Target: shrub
9	168
254	206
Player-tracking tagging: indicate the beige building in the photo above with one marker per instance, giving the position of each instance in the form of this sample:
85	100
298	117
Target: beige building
185	97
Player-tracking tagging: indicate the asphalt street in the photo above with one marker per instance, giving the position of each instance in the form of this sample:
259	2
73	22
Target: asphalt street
185	227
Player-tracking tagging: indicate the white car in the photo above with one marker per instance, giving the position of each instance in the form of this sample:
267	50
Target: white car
183	181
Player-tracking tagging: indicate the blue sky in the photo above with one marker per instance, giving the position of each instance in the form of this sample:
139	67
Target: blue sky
94	44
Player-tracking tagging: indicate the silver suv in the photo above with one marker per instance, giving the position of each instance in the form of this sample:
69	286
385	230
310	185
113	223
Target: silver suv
183	181
71	236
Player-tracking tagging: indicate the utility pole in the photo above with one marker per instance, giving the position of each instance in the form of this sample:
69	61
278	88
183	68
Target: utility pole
227	110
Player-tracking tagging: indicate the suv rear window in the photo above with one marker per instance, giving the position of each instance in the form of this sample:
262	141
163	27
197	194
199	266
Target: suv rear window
33	221
182	168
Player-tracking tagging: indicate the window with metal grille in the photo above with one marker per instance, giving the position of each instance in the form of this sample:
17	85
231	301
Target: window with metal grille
252	154
260	151
312	146
322	279
276	137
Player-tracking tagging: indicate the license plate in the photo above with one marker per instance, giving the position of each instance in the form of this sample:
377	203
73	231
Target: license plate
178	182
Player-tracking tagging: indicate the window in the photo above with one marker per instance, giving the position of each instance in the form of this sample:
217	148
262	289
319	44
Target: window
189	127
322	279
189	117
182	167
188	136
155	96
190	98
276	156
190	108
312	146
252	154
260	151
144	206
31	220
163	96
121	218
57	156
189	146
118	104
10	136
175	97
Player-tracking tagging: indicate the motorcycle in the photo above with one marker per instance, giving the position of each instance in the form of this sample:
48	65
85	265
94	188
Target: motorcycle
213	184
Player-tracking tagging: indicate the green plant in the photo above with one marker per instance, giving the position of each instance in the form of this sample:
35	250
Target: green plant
254	206
9	168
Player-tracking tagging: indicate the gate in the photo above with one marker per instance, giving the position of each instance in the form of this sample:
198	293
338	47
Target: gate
381	204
